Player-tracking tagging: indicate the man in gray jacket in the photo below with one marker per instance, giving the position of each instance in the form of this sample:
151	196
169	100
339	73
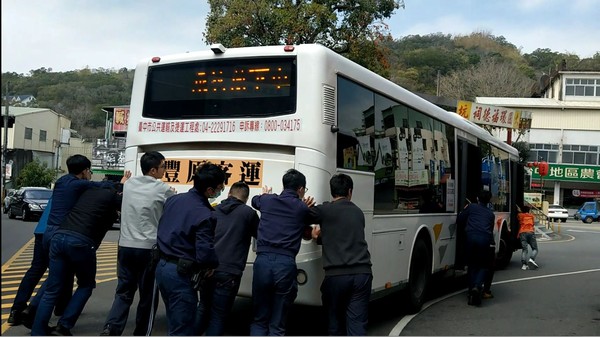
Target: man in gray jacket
143	200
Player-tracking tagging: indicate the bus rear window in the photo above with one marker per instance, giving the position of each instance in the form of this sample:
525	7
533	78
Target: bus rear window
221	89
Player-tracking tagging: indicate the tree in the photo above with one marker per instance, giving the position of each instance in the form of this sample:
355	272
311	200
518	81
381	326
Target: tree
34	174
523	148
351	28
490	78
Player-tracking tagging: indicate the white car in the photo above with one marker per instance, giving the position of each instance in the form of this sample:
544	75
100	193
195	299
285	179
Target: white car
8	199
557	212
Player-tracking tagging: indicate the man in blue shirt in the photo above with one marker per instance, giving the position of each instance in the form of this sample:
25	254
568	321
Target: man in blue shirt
67	190
283	220
39	264
73	251
185	240
478	221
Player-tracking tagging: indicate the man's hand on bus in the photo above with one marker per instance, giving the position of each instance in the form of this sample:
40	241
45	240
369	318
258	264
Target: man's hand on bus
316	231
126	176
309	201
267	190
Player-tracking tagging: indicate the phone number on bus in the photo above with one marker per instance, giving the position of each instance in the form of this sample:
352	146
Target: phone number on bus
291	124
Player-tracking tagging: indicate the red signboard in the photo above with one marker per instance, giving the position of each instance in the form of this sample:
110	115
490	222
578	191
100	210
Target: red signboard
120	119
586	194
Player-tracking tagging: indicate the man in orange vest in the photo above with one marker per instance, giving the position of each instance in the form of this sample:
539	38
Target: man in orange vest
527	237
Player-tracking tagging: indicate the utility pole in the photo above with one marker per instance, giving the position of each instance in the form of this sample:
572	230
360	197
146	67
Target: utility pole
5	143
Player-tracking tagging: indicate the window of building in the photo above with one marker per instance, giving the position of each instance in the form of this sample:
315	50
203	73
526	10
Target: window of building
571	154
42	135
591	158
578	158
28	133
582	87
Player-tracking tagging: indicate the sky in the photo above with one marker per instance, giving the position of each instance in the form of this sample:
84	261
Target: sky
64	35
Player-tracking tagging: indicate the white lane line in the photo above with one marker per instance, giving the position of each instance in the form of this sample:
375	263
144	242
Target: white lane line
580	231
397	330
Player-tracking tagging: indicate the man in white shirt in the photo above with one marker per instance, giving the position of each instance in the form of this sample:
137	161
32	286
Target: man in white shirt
143	200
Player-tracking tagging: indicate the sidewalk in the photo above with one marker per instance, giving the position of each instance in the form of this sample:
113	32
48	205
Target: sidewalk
547	234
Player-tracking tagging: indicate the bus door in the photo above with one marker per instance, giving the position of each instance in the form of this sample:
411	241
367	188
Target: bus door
469	185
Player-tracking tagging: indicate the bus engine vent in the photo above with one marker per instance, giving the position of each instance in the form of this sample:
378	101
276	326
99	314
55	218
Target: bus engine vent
328	105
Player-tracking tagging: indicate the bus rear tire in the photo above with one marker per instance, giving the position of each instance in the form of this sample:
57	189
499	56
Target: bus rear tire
505	250
419	276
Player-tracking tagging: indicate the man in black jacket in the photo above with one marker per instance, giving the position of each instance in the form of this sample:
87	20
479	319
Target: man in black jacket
236	224
346	288
73	249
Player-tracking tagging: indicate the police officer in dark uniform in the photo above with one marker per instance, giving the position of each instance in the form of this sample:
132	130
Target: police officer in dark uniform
185	242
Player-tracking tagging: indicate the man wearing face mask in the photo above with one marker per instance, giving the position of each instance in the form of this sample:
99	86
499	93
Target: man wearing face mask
185	240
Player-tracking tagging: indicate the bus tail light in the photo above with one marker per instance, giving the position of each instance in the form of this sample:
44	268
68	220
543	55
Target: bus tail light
155	59
288	47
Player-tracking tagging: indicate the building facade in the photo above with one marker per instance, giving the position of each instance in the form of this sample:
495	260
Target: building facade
565	132
39	133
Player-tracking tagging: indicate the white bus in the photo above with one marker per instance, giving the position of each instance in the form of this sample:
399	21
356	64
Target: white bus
260	111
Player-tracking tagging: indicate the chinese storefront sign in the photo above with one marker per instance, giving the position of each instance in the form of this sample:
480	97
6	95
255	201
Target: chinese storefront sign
120	120
564	172
493	115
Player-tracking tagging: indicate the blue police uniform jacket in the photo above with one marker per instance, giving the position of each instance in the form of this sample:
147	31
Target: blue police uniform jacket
67	190
283	218
186	229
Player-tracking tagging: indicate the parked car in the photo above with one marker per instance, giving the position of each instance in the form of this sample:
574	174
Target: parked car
557	212
589	211
29	202
9	195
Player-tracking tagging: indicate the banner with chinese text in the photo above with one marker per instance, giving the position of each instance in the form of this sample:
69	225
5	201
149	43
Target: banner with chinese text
566	172
489	115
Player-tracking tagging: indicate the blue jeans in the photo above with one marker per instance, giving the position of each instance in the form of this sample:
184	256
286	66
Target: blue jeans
217	295
346	301
34	274
134	272
181	300
44	246
274	289
68	253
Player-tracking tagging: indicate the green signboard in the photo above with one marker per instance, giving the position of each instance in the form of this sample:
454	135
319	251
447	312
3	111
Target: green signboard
566	172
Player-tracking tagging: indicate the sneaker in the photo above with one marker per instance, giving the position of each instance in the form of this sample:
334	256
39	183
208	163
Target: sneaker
60	330
525	267
487	295
14	318
532	262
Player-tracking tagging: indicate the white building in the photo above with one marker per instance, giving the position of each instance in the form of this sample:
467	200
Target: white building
565	132
43	134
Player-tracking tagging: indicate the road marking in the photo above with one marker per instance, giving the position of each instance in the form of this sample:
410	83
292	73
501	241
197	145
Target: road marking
578	231
15	268
397	330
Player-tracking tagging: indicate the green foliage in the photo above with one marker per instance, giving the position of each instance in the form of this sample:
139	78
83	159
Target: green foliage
79	94
35	173
353	29
523	148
